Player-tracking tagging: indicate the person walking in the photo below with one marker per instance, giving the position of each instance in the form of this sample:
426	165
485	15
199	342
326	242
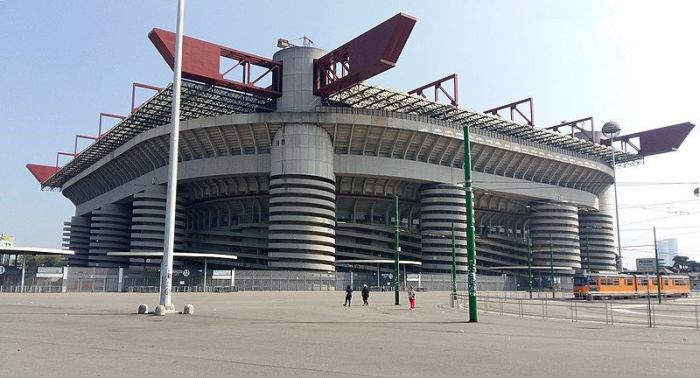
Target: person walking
348	296
365	295
411	298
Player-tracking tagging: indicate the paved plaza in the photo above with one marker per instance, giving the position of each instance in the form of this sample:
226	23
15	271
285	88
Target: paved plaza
312	334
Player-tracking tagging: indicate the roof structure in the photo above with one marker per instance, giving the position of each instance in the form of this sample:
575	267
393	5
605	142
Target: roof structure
198	100
373	97
36	251
182	255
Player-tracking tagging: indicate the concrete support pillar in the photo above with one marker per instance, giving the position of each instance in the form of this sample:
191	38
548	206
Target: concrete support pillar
302	199
297	79
442	204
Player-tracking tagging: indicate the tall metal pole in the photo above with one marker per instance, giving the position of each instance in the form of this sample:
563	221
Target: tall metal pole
454	262
24	268
397	282
528	241
588	256
551	265
471	243
656	260
617	210
166	266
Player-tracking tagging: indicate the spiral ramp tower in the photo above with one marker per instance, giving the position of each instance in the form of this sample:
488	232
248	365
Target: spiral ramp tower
597	241
556	226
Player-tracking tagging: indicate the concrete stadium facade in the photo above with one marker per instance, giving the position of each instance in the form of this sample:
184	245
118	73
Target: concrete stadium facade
311	183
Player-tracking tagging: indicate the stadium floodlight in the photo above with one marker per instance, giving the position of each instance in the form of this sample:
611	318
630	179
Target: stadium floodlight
611	129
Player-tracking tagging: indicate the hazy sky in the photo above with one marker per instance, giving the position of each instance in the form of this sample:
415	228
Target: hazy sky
64	62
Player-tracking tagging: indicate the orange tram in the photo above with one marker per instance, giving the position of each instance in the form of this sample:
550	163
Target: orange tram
608	286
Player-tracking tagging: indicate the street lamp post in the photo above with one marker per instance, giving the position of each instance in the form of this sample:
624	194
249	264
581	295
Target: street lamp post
397	281
656	261
528	241
612	129
454	263
551	266
166	268
471	243
588	256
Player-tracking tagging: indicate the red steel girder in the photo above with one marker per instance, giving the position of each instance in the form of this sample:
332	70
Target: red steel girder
437	88
577	126
655	141
513	107
201	62
42	172
108	115
135	85
59	154
75	145
369	54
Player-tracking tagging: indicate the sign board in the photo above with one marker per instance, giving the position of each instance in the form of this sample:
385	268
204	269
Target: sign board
186	272
221	275
2	269
646	265
49	272
6	240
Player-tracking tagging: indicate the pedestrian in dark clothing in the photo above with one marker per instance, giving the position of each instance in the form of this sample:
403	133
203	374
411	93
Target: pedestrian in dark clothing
348	296
365	295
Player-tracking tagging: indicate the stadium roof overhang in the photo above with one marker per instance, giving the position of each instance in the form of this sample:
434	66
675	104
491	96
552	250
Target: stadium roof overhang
198	101
180	255
338	77
373	97
36	251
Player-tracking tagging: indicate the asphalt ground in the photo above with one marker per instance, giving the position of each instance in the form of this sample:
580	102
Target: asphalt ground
311	334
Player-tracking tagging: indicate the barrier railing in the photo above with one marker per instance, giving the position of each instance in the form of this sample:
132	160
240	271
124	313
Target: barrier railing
634	313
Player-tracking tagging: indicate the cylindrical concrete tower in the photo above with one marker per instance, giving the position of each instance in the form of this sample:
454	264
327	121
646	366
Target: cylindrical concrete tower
298	79
302	199
148	221
109	232
597	241
558	221
442	204
76	237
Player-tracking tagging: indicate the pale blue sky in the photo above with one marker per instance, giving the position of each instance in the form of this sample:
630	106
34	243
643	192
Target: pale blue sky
64	62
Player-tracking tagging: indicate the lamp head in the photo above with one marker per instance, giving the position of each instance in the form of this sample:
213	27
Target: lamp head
611	129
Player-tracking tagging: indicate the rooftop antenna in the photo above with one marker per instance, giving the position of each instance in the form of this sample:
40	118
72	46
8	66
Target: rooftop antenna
284	43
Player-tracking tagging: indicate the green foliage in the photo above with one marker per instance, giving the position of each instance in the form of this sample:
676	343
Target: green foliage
34	261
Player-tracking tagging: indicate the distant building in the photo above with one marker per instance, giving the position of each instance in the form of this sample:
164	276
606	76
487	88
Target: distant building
668	249
6	241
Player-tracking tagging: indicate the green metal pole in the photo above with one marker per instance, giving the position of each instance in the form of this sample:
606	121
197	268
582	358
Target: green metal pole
551	265
471	243
588	256
528	242
396	253
454	262
656	260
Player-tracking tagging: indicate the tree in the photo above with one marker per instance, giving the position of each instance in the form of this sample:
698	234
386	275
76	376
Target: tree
34	261
680	264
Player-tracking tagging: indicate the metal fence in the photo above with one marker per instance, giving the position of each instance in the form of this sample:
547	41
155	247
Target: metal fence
648	313
78	279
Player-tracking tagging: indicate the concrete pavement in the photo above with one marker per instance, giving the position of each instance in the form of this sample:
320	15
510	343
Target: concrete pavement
312	334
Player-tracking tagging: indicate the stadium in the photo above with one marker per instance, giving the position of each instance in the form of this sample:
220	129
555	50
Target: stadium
295	163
